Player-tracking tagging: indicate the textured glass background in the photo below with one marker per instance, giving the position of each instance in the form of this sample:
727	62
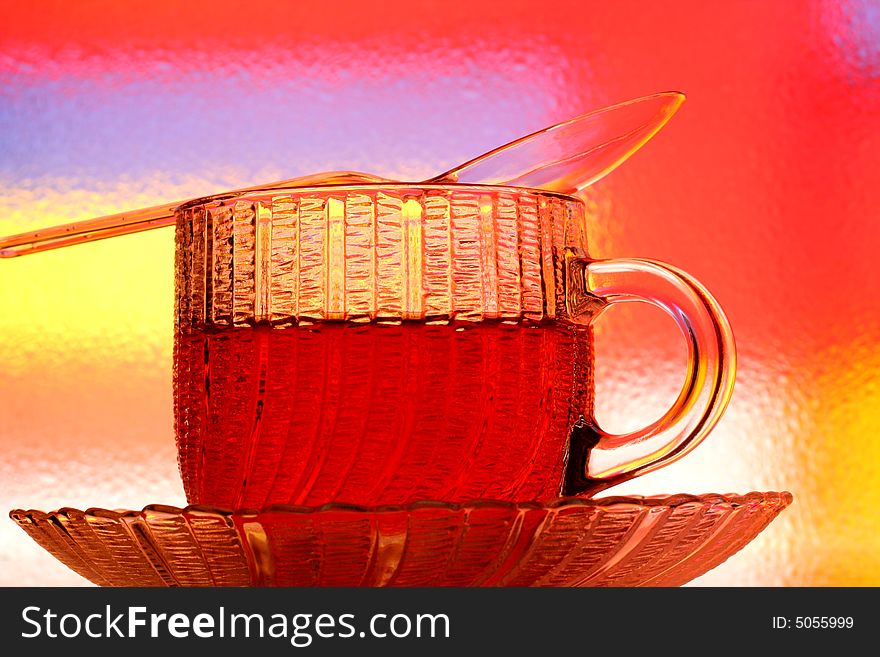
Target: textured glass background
765	186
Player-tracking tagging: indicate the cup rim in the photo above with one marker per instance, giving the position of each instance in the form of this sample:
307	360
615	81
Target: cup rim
396	186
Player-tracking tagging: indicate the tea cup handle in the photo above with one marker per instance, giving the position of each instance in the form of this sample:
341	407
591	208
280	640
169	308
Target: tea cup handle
596	460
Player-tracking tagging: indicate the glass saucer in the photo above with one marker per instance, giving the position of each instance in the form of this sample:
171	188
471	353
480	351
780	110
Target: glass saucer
613	541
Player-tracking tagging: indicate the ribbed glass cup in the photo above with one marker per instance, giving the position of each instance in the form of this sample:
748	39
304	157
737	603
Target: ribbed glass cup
382	344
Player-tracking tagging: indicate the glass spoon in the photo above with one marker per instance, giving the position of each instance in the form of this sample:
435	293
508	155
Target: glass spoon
564	158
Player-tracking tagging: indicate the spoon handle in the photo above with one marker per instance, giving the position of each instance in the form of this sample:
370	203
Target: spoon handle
158	216
78	232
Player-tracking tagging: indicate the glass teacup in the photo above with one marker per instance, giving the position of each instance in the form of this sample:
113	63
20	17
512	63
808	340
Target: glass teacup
385	343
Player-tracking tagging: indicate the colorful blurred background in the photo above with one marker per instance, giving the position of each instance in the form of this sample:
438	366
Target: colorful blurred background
765	186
